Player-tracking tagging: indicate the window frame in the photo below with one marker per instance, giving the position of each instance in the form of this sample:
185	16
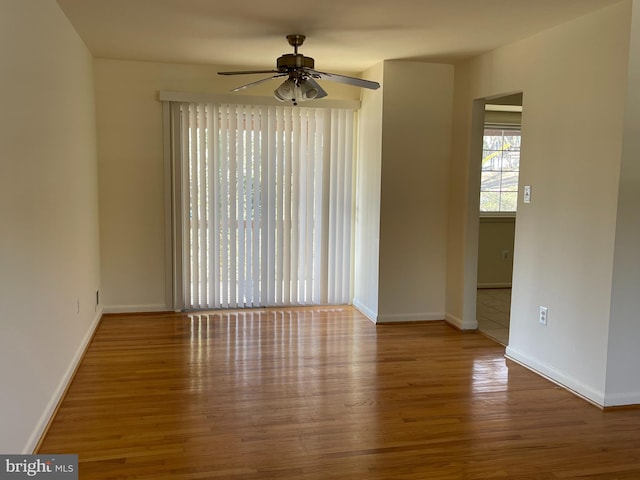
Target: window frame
500	214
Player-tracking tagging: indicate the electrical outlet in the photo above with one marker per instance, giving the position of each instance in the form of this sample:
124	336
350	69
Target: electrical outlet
542	318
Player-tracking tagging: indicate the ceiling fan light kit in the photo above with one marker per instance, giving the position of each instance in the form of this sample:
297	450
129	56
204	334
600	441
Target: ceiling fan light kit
301	84
296	92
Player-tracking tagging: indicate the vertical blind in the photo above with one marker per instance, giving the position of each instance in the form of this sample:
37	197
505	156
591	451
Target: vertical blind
267	205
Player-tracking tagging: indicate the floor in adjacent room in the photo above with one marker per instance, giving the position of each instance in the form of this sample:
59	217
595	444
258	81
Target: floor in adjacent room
492	312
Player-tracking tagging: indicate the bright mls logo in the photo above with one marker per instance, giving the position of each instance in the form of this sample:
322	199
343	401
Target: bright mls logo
52	467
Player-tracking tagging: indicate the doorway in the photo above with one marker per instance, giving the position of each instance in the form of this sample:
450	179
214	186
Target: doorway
500	167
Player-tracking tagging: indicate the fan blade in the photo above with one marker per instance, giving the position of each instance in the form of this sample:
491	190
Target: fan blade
257	82
356	82
316	85
248	72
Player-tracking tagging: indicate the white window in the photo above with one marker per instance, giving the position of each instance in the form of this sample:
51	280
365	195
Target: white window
500	169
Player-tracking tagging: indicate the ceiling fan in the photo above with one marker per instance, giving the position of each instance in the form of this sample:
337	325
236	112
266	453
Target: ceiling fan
301	83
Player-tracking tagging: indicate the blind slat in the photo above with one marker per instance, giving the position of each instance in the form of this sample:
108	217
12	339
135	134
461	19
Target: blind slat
269	202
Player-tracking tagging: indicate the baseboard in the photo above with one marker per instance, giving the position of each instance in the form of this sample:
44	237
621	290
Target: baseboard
495	285
576	387
363	309
409	317
396	318
135	308
33	443
618	400
458	323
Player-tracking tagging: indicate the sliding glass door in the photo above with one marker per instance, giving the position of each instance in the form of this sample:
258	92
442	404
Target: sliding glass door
264	206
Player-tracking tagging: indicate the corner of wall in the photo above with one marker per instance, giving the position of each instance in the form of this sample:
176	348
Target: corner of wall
458	323
577	387
59	393
367	312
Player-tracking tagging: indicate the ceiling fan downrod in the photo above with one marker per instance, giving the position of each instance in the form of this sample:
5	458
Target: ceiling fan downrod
295	41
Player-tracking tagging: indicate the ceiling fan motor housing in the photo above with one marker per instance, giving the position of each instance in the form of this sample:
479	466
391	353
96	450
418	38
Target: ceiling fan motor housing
291	61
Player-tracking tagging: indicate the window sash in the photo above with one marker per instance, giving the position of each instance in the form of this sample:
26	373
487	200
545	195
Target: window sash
499	177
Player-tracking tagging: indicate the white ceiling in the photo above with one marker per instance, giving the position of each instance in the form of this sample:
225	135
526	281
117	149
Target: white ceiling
342	35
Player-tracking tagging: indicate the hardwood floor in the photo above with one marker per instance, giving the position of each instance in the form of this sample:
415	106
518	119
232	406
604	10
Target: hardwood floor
324	394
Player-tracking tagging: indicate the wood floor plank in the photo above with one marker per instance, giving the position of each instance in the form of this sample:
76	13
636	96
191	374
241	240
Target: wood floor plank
322	393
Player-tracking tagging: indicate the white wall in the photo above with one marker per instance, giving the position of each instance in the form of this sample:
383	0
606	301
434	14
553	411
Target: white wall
49	214
416	143
367	241
623	375
495	236
132	208
405	142
416	146
565	237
